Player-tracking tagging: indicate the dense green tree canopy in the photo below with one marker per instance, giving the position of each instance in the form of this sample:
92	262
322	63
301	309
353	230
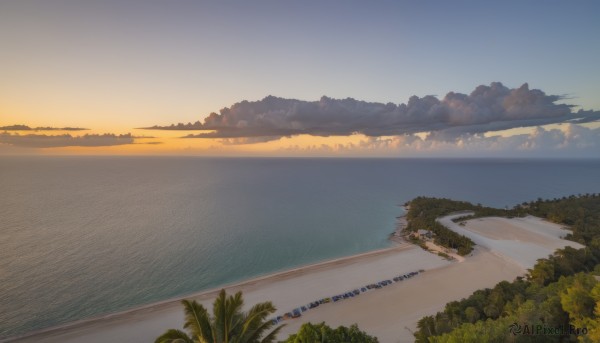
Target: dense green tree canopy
321	333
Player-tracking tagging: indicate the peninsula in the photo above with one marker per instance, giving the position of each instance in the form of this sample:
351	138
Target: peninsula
504	249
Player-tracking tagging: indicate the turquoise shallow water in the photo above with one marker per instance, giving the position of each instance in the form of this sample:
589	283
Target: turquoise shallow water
83	236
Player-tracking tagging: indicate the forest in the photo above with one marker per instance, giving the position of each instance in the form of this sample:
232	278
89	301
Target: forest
557	301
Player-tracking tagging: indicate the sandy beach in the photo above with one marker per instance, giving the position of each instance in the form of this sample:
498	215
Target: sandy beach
506	248
521	241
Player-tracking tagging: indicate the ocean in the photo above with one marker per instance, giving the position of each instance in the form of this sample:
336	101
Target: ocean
85	236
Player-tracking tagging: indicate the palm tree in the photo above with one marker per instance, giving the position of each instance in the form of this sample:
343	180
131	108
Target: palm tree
229	324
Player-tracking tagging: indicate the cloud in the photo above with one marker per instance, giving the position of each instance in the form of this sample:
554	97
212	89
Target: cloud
569	140
55	141
242	140
20	127
487	108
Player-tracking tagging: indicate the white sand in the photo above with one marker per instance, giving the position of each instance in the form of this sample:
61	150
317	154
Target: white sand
520	240
286	290
506	248
392	313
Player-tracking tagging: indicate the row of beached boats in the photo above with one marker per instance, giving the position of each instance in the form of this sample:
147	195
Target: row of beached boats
297	312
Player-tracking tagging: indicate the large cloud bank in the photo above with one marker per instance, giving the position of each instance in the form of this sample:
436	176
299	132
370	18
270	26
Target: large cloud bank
487	108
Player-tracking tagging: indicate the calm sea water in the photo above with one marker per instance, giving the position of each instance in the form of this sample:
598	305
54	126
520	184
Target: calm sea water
83	236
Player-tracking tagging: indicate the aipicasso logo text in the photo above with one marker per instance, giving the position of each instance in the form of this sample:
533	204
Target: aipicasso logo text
543	330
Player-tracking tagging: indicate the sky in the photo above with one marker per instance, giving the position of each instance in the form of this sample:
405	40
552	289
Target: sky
116	66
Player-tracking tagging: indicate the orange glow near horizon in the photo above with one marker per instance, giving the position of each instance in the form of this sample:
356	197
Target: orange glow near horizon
162	142
170	142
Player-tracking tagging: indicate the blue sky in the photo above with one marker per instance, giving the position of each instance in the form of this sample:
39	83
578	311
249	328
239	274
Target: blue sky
122	64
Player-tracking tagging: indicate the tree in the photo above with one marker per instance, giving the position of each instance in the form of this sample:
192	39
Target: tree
488	331
228	324
426	328
553	294
321	333
472	314
577	300
542	272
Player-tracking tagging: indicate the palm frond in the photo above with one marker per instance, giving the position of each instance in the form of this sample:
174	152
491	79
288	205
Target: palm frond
235	316
219	322
256	323
174	336
228	316
228	324
270	338
197	321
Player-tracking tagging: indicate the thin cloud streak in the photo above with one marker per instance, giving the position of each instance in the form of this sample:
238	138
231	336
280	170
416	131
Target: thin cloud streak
66	140
20	127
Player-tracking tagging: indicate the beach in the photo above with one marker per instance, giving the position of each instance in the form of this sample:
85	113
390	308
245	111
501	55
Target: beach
506	248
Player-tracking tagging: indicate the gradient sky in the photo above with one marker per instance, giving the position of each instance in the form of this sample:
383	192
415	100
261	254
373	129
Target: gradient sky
116	65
